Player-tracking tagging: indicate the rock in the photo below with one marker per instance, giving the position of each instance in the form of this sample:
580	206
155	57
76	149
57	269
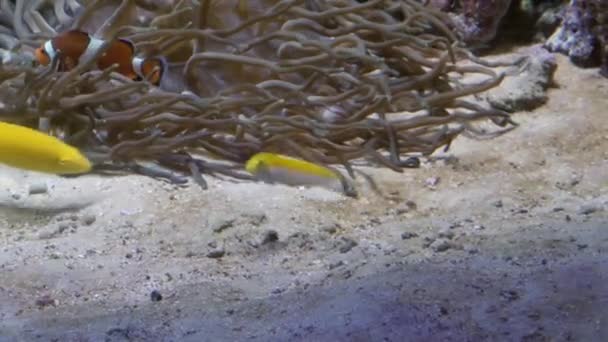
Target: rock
480	19
432	182
440	245
335	265
412	205
408	235
347	244
222	224
428	241
88	219
62	227
405	208
155	296
52	232
216	253
548	21
47	234
45	301
269	237
588	209
277	290
256	219
38	188
509	295
527	90
331	229
479	227
447	234
301	240
580	34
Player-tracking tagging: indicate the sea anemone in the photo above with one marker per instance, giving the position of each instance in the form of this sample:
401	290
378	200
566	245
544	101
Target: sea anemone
329	81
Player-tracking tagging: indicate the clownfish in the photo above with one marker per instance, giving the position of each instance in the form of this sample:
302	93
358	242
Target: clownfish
277	168
76	46
29	149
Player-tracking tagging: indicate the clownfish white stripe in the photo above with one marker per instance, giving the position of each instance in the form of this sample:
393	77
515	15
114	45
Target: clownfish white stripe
50	50
137	66
94	46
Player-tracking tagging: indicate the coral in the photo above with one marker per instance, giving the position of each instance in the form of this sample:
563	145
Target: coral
478	20
326	81
583	34
482	23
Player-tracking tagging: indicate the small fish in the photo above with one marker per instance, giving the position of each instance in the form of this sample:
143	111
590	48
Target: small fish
276	168
76	46
29	149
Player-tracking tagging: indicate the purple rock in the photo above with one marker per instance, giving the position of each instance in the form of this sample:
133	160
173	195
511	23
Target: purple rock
480	19
583	34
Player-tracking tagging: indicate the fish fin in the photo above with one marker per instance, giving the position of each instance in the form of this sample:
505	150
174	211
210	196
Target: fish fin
67	63
129	43
148	66
263	173
75	32
164	66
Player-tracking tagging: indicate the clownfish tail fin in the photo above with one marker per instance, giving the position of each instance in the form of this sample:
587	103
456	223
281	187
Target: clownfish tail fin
145	68
164	65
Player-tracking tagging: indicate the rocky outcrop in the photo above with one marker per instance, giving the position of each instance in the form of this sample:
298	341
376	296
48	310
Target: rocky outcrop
583	34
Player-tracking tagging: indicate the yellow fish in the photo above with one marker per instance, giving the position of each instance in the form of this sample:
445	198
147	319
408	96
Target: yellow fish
276	168
29	149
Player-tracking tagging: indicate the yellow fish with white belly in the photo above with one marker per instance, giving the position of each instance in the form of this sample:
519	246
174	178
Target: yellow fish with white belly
25	148
276	168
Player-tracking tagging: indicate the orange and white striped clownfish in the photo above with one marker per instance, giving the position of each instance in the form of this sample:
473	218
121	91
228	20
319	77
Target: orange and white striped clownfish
76	46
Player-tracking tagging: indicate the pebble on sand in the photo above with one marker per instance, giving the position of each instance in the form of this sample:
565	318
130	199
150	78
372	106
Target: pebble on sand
588	209
347	244
155	296
38	188
45	301
216	253
270	236
88	219
440	245
408	235
447	234
222	225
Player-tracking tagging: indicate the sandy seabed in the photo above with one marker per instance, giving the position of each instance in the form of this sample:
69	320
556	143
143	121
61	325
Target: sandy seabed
501	240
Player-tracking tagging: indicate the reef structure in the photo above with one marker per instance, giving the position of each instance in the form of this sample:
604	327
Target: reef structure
583	34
